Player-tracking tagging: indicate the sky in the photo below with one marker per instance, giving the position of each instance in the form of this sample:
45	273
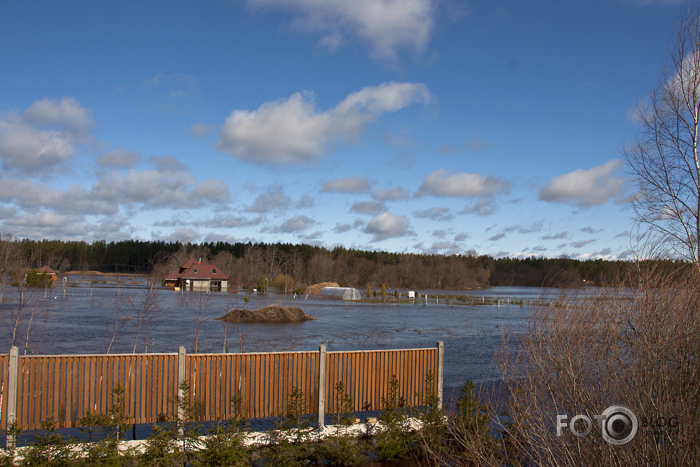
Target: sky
425	126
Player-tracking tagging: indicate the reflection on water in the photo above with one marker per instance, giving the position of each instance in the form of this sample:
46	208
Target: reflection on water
83	321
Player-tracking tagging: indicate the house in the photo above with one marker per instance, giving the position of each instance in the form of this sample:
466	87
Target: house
53	275
195	276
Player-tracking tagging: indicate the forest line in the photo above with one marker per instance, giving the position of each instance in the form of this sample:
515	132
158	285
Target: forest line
245	263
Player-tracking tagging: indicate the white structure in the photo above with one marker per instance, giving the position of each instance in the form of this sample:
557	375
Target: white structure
344	293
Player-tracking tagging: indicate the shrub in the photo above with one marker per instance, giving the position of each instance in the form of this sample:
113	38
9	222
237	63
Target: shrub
634	343
393	442
224	444
290	440
342	448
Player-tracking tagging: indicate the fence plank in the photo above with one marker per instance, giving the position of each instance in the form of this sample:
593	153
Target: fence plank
68	386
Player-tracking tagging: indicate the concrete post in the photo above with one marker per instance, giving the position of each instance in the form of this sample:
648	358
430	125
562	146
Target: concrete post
181	358
320	423
441	360
12	379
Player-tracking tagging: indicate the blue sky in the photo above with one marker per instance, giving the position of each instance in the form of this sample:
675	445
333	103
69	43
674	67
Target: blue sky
432	126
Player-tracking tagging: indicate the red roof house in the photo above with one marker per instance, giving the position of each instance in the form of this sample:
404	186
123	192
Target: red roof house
195	276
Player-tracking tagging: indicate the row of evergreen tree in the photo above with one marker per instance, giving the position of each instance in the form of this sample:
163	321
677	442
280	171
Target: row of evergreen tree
309	264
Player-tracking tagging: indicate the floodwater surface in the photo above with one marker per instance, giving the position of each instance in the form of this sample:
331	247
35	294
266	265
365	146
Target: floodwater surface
91	312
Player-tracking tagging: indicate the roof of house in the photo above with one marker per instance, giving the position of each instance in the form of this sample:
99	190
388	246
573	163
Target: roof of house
46	269
194	270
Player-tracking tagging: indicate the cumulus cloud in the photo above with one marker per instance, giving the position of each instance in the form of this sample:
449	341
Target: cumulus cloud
294	225
391	194
45	137
157	189
26	149
465	185
342	228
34	197
461	237
462	184
66	113
497	237
294	131
118	159
367	207
582	243
387	225
352	184
435	214
386	26
274	199
585	187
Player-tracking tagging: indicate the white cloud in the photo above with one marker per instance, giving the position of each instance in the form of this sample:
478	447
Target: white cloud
556	236
341	228
388	26
352	184
273	199
585	187
387	225
294	131
66	113
27	149
367	207
435	214
391	194
118	158
31	196
295	224
45	136
461	184
582	243
232	222
156	189
201	130
182	235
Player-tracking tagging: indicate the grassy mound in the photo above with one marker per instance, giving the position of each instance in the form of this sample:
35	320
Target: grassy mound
316	288
268	314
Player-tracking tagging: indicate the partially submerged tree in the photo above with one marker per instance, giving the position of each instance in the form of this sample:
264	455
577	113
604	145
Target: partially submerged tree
664	161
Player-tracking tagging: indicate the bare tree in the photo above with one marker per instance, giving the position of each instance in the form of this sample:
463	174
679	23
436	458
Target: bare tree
203	311
663	161
147	313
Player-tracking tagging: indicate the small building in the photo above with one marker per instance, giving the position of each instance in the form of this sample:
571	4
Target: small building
197	277
53	275
344	293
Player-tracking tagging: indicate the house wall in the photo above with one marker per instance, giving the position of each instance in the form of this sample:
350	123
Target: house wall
200	286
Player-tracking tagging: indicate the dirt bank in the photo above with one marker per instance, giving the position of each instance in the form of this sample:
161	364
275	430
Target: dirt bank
268	314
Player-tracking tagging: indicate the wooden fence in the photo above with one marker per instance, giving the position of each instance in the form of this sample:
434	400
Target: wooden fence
67	387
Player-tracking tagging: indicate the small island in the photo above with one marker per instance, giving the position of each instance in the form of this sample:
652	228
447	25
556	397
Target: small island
268	314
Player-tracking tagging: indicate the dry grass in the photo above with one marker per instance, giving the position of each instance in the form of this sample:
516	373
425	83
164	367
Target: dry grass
268	314
316	288
638	347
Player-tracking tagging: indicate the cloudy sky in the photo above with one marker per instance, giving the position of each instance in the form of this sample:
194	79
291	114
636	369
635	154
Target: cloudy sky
437	126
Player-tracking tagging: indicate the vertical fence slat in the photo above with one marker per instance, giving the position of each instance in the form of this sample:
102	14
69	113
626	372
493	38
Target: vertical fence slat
67	387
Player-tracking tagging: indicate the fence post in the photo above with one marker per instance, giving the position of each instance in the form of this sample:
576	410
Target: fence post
181	357
441	359
320	423
13	376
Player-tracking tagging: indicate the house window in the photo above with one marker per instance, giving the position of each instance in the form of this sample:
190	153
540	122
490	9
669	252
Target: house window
195	270
213	271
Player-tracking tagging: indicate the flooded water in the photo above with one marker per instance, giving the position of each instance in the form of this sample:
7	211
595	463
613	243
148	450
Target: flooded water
81	318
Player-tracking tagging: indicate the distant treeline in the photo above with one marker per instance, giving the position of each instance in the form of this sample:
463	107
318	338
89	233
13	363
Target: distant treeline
244	263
